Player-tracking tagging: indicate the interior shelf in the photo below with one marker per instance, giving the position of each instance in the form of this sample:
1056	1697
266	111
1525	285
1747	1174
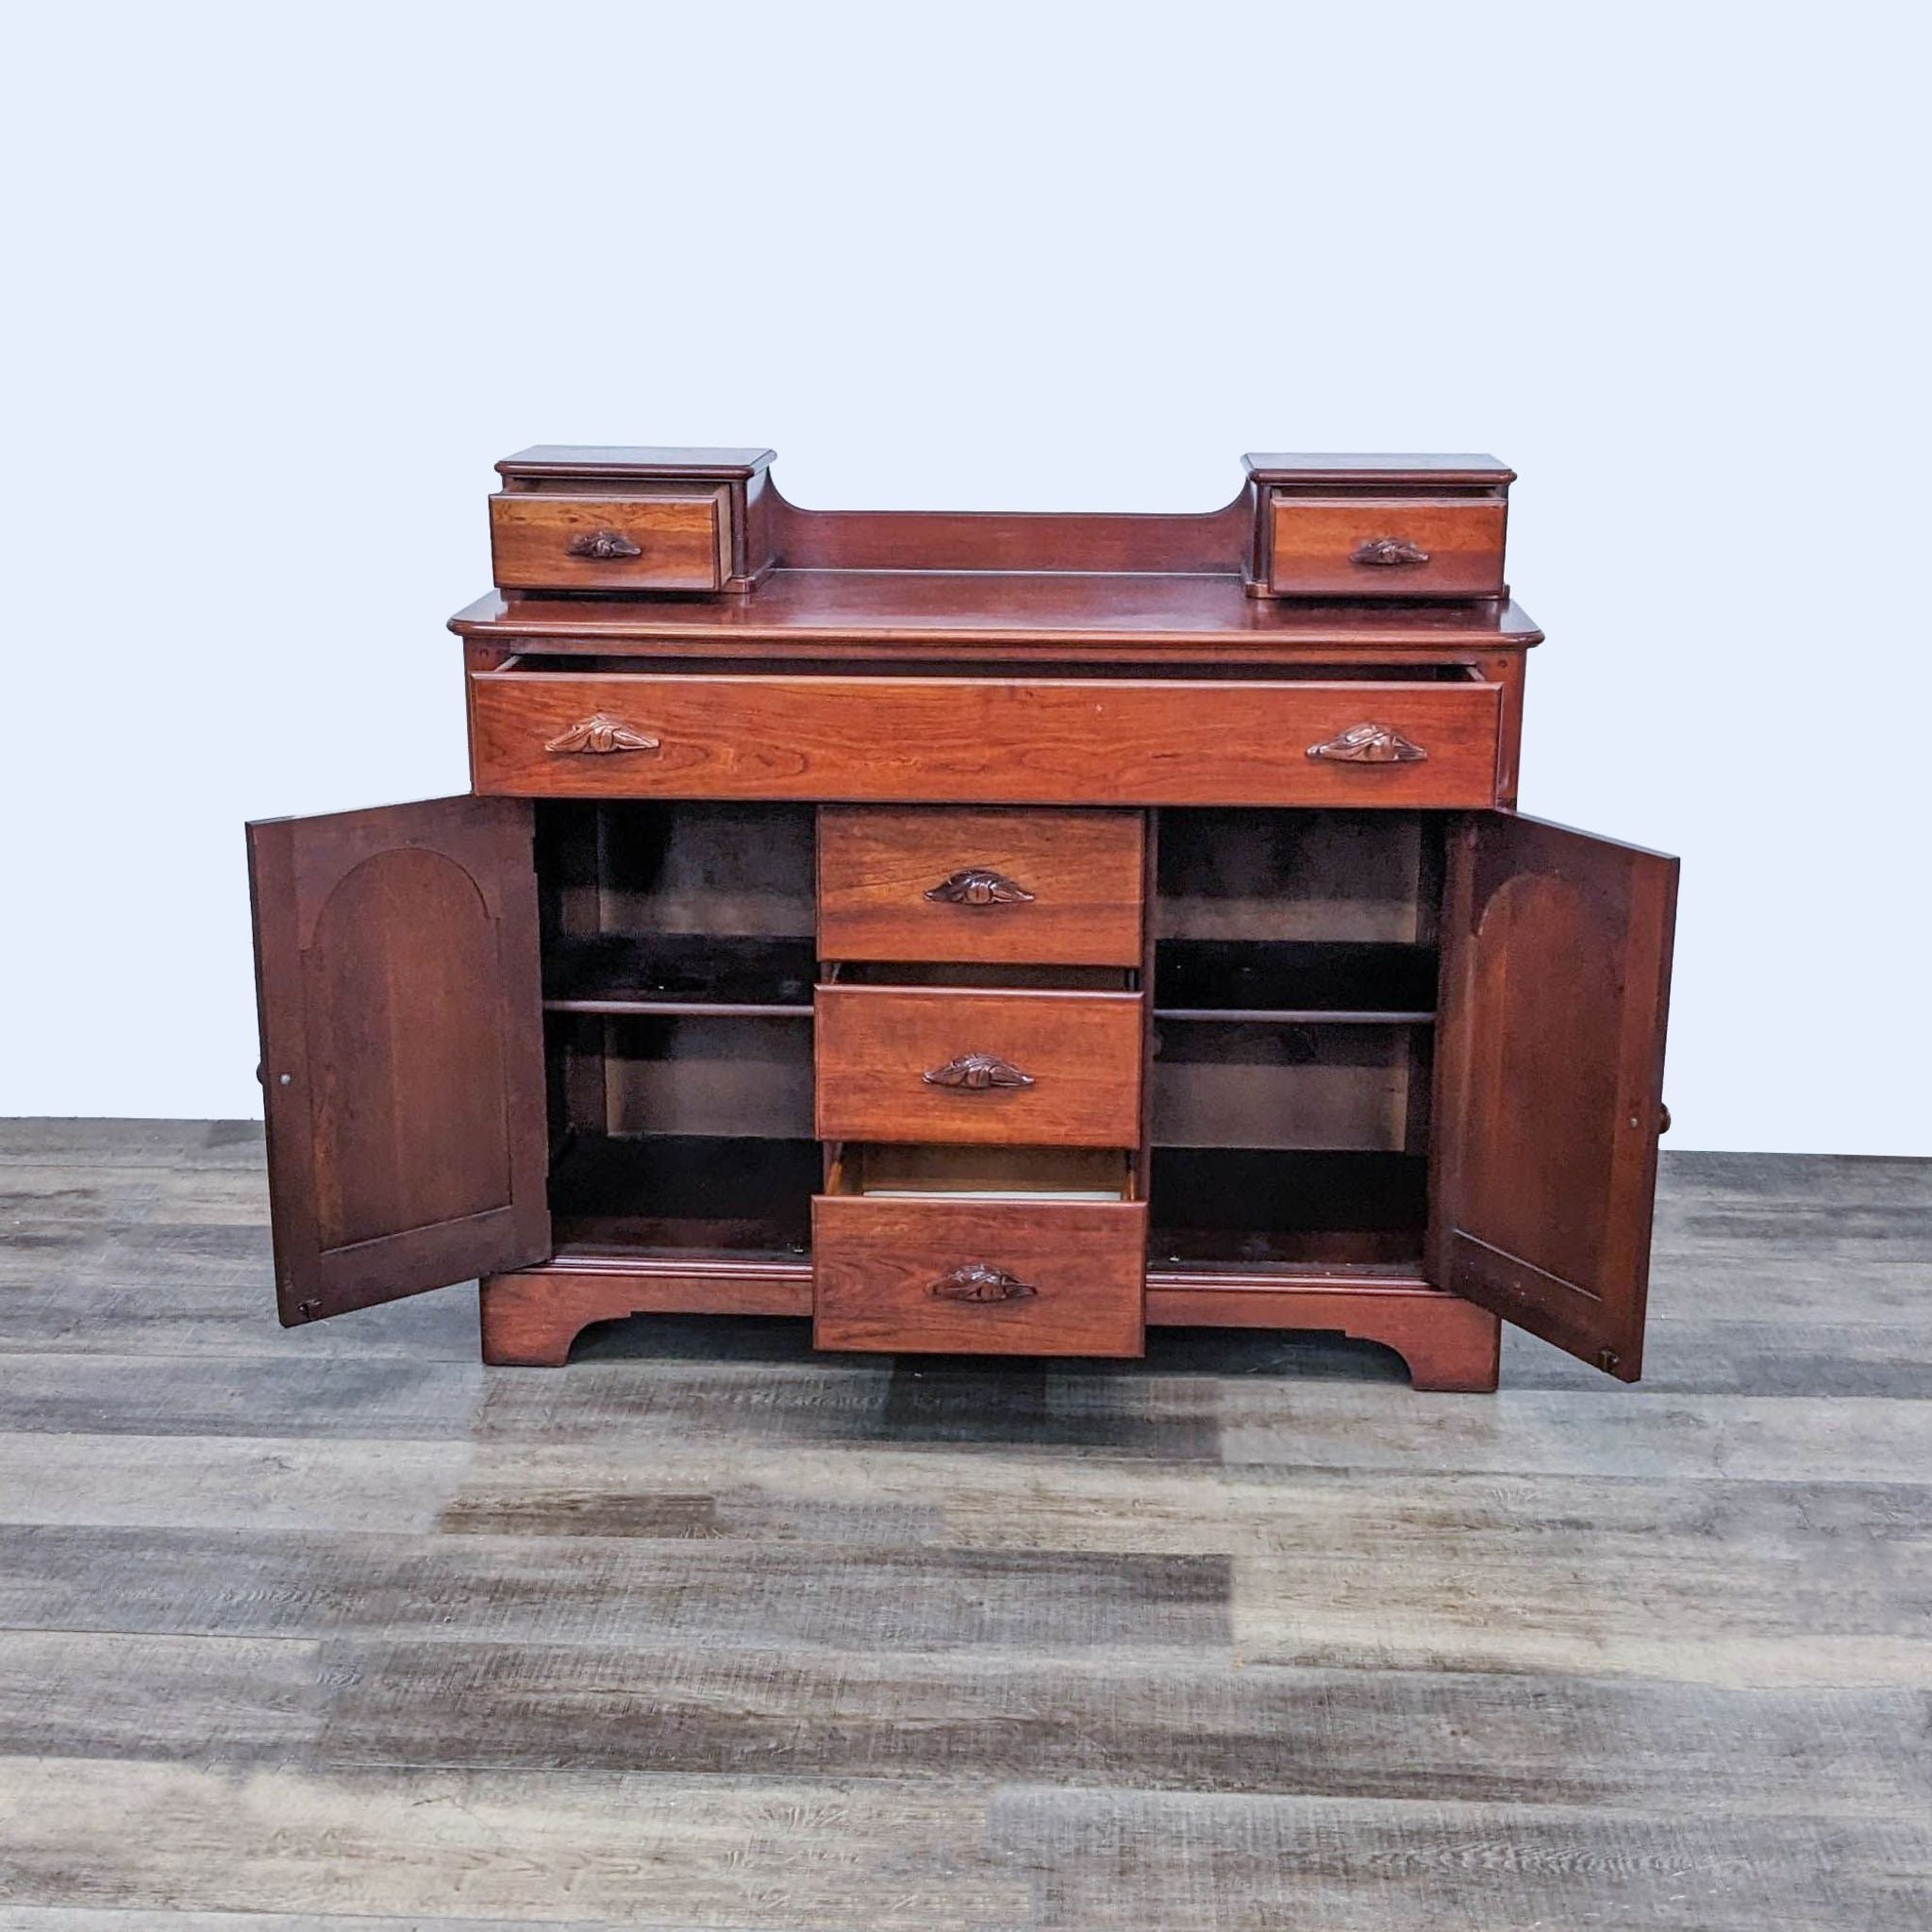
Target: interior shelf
622	972
1310	982
1229	1208
689	1194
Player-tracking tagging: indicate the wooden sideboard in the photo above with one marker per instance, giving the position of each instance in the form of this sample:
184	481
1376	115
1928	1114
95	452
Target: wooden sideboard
977	933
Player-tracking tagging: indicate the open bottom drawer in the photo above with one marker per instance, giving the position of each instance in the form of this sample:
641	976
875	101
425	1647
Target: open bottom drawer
979	1251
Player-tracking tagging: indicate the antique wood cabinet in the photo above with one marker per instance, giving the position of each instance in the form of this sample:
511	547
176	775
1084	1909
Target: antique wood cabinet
977	933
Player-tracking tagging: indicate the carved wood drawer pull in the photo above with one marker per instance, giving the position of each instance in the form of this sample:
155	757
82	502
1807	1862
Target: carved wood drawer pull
1387	553
601	732
602	546
979	1281
977	1071
978	884
1368	744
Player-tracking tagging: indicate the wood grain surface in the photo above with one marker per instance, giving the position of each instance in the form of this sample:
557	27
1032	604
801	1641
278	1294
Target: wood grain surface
1079	1051
674	540
1079	872
982	740
335	1630
1313	546
1076	1272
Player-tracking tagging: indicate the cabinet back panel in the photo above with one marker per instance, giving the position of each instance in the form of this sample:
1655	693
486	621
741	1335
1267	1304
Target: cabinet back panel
720	870
1228	1208
706	1076
1261	1084
1341	875
686	1195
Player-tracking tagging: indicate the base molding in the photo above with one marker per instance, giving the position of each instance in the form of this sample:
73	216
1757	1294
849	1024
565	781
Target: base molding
530	1317
1451	1345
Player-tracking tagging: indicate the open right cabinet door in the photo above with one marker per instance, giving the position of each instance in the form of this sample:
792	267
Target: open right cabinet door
1555	979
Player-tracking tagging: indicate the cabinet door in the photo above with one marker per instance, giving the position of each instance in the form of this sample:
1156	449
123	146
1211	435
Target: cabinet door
402	1049
1555	976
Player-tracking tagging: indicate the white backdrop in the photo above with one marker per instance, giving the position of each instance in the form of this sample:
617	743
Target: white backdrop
284	282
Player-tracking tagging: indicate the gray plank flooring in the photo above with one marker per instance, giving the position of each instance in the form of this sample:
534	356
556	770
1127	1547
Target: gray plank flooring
334	1630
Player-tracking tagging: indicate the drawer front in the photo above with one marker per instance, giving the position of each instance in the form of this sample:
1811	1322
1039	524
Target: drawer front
1015	1069
1049	888
983	1277
971	741
1386	547
541	542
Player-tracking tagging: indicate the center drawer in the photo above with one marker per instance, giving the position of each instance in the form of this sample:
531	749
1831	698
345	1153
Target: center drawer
943	882
983	740
962	1066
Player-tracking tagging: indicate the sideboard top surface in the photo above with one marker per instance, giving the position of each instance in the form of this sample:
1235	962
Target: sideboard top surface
996	607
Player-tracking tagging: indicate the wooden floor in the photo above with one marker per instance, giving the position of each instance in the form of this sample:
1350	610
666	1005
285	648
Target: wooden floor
304	1630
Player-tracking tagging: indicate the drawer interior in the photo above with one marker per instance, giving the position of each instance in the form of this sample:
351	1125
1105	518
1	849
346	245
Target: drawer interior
1015	978
916	1172
594	661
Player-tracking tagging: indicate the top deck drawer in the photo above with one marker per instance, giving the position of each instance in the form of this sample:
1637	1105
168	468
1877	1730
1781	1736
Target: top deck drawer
1386	546
983	740
673	539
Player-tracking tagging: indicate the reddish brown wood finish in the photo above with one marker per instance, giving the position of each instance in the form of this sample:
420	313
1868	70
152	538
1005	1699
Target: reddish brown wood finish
981	740
1330	547
926	884
1448	1344
1006	699
1006	541
1555	979
885	1275
1080	1052
675	541
402	1058
530	1317
855	614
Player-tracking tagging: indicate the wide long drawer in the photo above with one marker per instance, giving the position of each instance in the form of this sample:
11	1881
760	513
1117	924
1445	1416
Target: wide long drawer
983	740
971	1067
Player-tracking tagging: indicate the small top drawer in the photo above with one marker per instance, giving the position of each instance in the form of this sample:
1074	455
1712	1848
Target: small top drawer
1385	546
674	539
1047	888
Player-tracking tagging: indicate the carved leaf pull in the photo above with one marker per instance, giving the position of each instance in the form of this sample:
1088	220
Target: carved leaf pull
978	884
977	1071
1389	553
602	546
979	1281
601	732
1369	744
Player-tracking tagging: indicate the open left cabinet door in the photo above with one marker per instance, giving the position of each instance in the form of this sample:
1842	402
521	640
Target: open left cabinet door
1555	979
402	1049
